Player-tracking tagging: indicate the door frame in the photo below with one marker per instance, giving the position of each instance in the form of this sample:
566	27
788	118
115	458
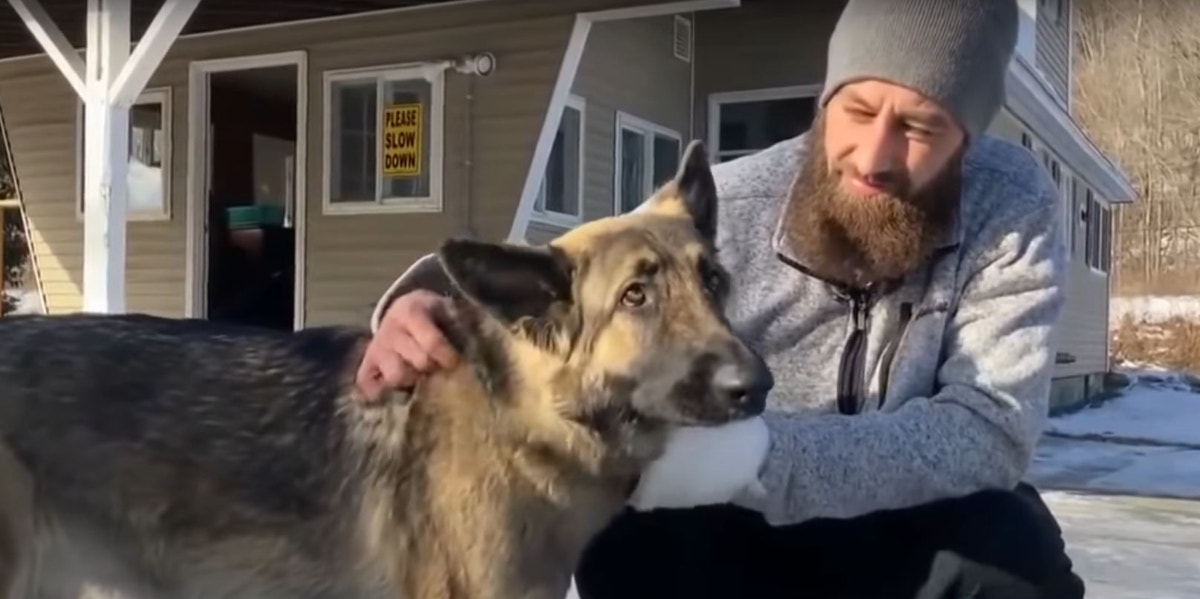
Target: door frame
198	174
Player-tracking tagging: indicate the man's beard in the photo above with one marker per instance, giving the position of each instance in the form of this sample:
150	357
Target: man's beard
855	240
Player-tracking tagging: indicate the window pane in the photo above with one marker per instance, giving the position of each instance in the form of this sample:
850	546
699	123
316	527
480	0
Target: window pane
633	161
759	124
561	188
146	176
666	159
406	174
352	131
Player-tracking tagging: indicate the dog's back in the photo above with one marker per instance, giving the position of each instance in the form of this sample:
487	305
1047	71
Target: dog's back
177	436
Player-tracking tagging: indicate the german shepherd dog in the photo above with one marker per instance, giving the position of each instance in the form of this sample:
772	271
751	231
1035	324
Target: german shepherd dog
144	457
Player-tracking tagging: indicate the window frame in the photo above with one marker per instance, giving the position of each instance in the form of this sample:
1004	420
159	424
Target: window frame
434	202
1098	251
717	101
562	219
151	95
648	129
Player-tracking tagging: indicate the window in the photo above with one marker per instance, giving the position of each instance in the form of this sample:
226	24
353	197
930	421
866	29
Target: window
149	177
1026	141
1099	234
1055	9
560	198
383	142
647	155
744	122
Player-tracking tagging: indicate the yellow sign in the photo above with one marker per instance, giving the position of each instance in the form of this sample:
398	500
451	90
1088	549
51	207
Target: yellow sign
402	140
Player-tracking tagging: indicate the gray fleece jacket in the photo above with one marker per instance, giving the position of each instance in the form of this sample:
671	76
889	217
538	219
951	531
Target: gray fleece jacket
935	388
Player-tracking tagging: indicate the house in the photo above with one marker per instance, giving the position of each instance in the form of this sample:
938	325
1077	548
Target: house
288	160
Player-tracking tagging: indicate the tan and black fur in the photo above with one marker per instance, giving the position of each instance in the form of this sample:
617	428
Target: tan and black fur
153	458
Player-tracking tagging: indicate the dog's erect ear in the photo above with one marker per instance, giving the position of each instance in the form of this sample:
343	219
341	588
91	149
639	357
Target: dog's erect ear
695	185
510	281
692	191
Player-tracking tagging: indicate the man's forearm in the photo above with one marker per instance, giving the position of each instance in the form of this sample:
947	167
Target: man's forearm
845	466
426	273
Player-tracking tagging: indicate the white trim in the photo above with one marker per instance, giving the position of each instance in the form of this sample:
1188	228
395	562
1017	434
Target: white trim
554	108
365	15
435	74
196	276
150	50
562	87
163	96
648	130
1032	101
716	100
52	40
562	219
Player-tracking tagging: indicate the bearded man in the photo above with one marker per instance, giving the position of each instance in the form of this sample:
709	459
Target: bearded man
902	272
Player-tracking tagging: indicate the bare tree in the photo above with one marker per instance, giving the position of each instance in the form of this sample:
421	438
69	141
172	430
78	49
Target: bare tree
1137	82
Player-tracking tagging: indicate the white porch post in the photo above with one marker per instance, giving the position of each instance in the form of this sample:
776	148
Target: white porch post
108	82
105	159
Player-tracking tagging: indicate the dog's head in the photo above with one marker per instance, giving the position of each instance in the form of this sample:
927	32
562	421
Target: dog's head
621	320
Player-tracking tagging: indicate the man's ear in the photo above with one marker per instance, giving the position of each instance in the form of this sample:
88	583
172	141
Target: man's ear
508	280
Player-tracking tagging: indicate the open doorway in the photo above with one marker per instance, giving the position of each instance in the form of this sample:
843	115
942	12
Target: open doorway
250	247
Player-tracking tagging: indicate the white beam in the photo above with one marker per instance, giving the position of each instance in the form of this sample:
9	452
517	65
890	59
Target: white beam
106	159
52	40
150	50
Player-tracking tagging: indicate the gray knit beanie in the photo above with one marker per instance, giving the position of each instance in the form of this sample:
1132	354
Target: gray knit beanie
954	52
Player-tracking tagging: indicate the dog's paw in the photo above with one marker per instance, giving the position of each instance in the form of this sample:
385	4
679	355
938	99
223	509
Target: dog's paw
704	466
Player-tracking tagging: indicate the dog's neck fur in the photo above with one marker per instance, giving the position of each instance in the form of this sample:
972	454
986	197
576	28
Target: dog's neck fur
561	484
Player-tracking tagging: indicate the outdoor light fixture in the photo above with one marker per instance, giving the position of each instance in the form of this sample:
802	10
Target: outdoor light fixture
482	64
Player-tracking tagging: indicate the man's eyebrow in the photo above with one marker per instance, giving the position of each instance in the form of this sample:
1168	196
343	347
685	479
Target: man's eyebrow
927	116
853	98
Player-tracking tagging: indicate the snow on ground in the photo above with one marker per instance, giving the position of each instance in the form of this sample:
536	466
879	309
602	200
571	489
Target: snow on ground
1155	308
1146	441
1131	548
1123	478
1157	408
27	302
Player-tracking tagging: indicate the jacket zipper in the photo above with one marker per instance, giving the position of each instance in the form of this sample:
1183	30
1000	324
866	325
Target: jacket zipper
906	314
850	370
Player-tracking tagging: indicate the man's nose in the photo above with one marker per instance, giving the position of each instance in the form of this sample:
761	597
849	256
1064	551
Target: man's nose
880	151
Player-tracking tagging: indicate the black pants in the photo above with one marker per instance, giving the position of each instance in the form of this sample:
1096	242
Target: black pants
990	545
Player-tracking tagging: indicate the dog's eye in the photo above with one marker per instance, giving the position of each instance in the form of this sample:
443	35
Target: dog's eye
634	296
713	282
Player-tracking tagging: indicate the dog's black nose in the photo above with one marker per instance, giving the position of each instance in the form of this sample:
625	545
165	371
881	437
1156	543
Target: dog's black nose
744	384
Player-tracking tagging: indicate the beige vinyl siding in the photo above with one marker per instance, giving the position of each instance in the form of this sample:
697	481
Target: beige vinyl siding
351	259
627	66
540	232
763	44
1053	43
41	113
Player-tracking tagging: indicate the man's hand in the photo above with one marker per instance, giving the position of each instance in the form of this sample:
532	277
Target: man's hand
406	345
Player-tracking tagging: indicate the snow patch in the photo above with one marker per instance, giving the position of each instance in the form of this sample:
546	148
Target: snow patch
1155	309
1158	406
